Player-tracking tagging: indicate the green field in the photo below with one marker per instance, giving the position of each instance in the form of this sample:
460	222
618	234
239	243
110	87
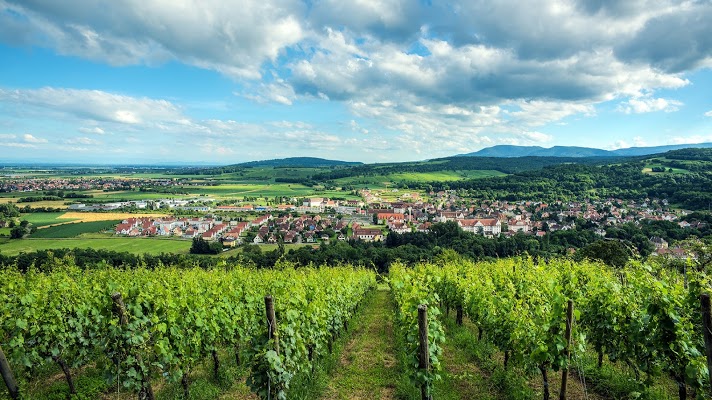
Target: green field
390	180
648	169
44	219
73	229
131	245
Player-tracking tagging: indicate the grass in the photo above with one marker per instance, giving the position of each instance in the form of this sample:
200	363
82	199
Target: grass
46	219
73	229
368	368
474	366
648	169
131	245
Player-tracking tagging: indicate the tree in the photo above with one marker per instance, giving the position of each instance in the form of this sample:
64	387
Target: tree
17	232
202	246
611	252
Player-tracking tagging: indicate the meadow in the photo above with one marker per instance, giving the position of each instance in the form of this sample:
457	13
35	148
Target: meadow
131	245
71	230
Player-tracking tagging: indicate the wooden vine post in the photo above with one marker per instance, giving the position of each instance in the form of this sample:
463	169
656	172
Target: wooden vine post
146	391
567	351
424	356
272	322
458	315
8	377
707	328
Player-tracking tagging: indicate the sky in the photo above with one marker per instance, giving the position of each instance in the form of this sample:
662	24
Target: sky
222	82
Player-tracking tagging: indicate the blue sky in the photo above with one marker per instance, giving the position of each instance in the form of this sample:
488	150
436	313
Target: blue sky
223	82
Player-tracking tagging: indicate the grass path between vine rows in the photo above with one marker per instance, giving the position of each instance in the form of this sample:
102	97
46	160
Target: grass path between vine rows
367	367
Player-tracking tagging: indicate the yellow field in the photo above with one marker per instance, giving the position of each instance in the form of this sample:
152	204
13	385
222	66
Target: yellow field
92	217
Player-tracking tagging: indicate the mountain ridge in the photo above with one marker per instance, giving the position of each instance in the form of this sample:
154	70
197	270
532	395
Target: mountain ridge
297	162
510	151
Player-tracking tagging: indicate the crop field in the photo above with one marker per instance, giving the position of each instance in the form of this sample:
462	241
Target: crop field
253	190
131	245
34	204
46	219
71	230
92	217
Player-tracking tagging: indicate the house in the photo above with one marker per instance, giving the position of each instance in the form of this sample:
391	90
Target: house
659	242
230	241
486	226
398	227
424	227
369	235
123	229
518	226
384	217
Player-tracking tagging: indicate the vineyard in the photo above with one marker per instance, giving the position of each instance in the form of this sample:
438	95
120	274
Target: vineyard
141	325
148	328
547	316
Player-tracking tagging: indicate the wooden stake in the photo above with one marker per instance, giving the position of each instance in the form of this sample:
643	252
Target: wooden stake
272	322
567	351
8	377
707	329
458	315
424	357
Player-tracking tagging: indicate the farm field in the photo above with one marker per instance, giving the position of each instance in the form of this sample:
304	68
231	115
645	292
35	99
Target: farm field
109	216
131	245
73	229
46	219
34	204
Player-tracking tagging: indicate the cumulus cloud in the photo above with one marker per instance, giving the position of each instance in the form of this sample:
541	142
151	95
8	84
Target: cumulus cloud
675	41
708	113
94	105
92	130
31	139
435	78
649	104
83	141
691	139
229	38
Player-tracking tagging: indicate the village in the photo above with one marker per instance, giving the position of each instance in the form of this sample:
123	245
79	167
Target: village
317	220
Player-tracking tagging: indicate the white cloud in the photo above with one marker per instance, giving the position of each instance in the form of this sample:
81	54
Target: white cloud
639	141
708	113
5	136
94	105
234	39
19	145
690	139
433	78
92	130
31	139
83	141
649	104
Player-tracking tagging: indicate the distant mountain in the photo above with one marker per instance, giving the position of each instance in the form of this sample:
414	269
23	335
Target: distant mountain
644	151
298	162
573	151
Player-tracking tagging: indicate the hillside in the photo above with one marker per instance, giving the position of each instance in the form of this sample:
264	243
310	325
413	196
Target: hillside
508	151
291	162
308	162
681	176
